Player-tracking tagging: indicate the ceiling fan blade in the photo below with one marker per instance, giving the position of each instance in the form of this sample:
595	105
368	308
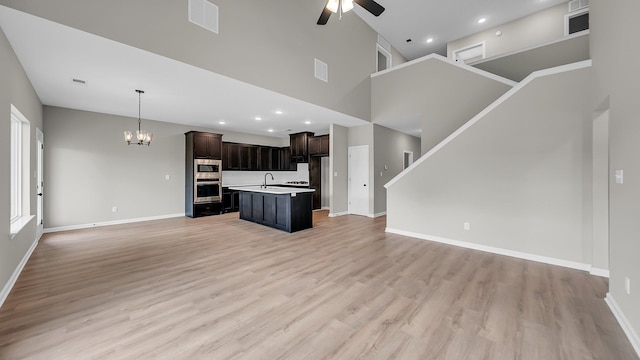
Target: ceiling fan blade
371	6
324	17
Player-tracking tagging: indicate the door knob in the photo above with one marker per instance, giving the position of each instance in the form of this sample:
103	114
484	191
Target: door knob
39	194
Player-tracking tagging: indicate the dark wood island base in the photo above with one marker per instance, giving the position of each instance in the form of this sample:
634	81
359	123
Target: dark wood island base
288	211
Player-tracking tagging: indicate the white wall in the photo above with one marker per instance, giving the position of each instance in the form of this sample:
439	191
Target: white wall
89	168
612	23
434	92
17	90
271	44
338	169
539	28
389	148
520	176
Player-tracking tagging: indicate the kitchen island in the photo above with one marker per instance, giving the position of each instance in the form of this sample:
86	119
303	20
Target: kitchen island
288	209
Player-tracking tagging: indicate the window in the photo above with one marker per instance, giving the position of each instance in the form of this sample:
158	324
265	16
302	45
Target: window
19	142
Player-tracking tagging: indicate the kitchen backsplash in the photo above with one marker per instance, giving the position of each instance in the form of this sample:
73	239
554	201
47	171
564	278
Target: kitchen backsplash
234	178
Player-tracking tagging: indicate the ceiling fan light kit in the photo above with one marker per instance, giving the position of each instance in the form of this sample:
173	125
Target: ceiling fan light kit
342	6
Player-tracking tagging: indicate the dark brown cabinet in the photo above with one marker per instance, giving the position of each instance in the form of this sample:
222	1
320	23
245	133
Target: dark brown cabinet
299	144
319	145
248	157
239	156
200	145
205	145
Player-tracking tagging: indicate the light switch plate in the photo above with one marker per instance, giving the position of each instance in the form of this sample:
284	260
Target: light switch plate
619	176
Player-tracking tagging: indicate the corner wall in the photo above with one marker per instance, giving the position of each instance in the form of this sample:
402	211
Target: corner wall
16	89
617	79
389	149
338	170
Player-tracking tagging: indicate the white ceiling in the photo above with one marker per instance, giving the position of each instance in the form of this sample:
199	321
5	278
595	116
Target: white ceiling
443	20
53	55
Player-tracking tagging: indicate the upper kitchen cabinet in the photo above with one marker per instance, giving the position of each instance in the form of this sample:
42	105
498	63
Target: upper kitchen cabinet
299	144
319	145
205	145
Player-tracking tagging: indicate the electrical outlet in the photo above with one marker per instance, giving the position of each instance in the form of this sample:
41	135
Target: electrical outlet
467	226
627	285
114	209
167	177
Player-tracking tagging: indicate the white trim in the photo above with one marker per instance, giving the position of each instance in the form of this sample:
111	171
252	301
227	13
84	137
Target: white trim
495	250
342	213
529	48
482	44
387	54
373	216
599	272
536	74
19	224
451	62
624	323
16	273
108	223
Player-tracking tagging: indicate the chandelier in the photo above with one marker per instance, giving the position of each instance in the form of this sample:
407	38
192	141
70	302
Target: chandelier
339	6
143	137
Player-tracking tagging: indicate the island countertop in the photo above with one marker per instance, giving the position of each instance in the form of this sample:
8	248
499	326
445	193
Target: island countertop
272	189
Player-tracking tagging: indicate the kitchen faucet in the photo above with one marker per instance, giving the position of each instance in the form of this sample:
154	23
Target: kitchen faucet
265	180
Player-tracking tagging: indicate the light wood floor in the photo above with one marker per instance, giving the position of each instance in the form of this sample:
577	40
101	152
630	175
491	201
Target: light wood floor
222	288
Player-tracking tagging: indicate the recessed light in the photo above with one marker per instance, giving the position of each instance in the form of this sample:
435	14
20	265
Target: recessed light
221	122
258	118
270	130
429	40
279	112
308	122
480	21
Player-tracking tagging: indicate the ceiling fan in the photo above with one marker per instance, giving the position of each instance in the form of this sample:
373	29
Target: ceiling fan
342	6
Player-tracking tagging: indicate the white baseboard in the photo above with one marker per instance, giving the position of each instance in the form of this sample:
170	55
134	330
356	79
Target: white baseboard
599	272
16	273
338	214
378	214
624	323
495	250
107	223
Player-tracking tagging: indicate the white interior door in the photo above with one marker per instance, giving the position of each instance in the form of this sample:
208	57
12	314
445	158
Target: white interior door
39	184
358	175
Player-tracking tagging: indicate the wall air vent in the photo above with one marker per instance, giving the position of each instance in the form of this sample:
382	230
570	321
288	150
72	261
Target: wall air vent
321	70
204	13
576	5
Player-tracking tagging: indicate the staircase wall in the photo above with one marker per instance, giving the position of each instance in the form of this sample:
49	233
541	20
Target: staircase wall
435	93
519	174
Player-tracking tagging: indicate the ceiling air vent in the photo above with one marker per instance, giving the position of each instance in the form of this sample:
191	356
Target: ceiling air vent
321	70
204	13
576	5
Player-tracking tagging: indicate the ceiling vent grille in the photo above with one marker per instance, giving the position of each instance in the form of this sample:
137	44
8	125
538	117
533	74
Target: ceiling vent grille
204	13
576	5
321	70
